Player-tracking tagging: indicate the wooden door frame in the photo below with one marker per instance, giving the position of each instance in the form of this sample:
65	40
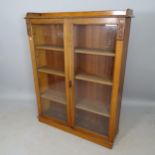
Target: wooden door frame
31	22
96	21
117	73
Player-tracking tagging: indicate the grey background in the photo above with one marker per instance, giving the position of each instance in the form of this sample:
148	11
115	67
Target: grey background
16	80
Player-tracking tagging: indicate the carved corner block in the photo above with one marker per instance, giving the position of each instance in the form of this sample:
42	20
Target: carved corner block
121	28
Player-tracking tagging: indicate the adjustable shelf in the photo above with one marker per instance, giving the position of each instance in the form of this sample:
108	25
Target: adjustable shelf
54	95
51	71
52	48
109	53
93	78
98	108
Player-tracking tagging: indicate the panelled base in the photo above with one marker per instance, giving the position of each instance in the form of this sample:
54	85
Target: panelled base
104	141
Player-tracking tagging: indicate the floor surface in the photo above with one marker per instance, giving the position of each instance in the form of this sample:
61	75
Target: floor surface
22	134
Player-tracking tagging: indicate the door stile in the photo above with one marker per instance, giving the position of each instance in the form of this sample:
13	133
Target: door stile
116	79
69	69
33	58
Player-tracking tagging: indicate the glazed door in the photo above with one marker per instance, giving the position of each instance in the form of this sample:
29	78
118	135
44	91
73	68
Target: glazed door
48	37
93	53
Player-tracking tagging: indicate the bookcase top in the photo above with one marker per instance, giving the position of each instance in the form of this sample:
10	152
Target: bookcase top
110	13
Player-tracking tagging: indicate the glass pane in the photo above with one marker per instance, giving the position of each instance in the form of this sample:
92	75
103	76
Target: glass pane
51	61
95	37
54	110
94	52
53	97
94	66
49	35
49	51
92	106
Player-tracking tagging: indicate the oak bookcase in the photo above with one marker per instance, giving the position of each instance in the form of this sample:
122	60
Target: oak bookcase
78	63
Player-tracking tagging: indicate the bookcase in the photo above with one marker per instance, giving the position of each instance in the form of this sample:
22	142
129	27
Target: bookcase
78	61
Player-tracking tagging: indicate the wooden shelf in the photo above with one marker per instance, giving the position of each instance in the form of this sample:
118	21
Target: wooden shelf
55	92
92	78
96	107
53	48
96	52
54	95
51	71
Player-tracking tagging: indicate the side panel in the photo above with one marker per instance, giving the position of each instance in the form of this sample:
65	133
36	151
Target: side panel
118	78
33	58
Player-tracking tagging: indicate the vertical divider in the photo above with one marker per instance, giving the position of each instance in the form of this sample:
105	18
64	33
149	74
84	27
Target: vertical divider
69	69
